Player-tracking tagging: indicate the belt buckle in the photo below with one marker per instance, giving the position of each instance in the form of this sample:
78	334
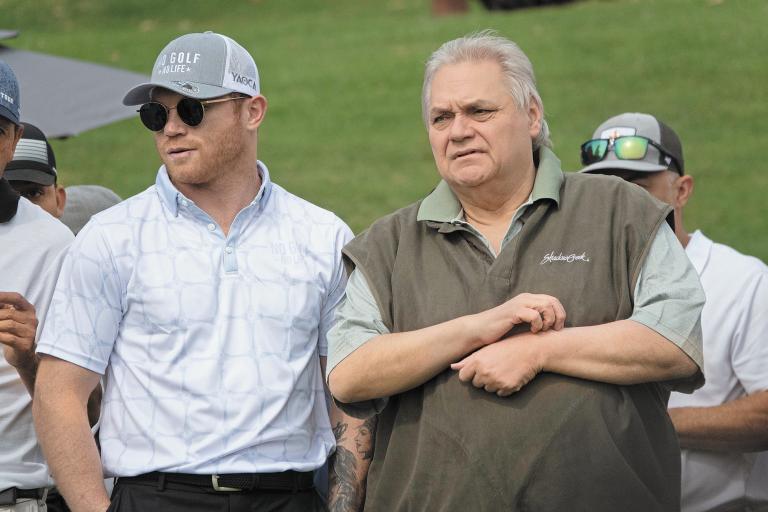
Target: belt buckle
217	487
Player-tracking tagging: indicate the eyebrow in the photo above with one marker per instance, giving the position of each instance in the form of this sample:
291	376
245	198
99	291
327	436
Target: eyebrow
485	104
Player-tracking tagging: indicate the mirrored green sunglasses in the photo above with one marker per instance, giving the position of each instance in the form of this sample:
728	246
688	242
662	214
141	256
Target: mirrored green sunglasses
628	147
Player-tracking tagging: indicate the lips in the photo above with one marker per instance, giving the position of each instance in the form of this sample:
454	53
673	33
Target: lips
464	152
178	152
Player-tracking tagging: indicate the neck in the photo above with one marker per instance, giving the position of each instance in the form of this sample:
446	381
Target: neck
680	231
224	197
495	203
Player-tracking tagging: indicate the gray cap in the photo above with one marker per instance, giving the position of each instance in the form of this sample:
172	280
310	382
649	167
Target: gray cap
201	66
84	201
33	159
9	94
647	126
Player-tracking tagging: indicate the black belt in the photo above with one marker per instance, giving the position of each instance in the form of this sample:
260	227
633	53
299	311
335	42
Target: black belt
9	496
293	481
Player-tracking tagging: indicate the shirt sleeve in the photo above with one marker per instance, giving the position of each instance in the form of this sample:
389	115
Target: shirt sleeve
336	294
87	305
749	349
669	298
358	320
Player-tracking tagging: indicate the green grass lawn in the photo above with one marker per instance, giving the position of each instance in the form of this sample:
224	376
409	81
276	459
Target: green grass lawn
343	79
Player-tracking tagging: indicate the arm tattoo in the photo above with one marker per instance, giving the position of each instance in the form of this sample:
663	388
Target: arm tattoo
347	487
364	438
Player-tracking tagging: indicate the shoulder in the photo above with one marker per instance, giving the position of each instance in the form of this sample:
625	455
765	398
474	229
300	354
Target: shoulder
606	185
604	194
38	223
382	239
388	229
285	203
133	209
393	223
736	266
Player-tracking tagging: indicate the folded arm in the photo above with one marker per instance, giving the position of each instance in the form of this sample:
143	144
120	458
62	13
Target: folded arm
623	352
393	363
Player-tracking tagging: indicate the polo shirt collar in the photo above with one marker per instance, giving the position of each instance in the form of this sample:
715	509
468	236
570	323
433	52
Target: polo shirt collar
442	205
172	198
9	201
698	250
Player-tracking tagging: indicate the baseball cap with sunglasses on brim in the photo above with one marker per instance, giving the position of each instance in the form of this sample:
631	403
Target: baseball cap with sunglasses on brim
633	142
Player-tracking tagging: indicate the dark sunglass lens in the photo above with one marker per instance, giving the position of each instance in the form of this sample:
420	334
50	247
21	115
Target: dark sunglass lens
153	115
190	111
593	151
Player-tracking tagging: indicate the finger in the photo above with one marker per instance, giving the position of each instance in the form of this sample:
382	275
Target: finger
478	380
491	388
16	300
506	392
548	317
467	373
16	342
17	328
560	313
10	313
460	364
532	317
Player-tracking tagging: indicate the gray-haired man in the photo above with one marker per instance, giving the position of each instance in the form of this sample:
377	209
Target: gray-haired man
509	329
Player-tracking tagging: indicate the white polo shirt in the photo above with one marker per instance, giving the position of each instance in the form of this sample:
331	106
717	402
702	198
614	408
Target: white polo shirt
734	322
32	244
209	344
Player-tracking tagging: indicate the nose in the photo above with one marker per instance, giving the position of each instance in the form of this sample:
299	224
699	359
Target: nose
461	128
174	125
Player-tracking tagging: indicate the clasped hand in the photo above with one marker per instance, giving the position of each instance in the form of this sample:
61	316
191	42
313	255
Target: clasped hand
504	366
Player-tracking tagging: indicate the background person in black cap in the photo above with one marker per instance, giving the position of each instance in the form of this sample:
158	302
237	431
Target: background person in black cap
723	426
32	172
32	243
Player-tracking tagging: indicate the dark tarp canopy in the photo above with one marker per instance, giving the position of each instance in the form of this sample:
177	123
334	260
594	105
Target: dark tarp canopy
64	97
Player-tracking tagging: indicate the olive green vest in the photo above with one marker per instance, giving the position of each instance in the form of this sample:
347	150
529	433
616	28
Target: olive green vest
561	443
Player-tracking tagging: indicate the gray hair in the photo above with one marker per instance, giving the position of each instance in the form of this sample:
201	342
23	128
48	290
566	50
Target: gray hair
515	65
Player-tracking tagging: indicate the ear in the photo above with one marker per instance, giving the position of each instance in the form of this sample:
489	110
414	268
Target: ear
256	109
61	200
535	116
683	190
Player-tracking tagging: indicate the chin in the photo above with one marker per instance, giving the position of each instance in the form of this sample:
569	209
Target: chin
186	175
471	177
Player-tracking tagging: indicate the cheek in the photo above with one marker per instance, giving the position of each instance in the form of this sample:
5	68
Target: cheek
438	142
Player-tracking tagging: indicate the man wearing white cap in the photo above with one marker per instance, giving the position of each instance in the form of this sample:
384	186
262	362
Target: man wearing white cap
32	243
204	302
723	426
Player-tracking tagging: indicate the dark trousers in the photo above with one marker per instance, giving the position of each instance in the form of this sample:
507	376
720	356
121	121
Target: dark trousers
174	497
55	501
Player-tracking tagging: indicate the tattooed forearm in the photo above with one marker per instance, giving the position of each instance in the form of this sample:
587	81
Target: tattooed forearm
348	467
345	490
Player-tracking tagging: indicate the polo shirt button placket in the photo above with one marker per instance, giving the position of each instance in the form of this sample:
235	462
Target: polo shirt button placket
230	258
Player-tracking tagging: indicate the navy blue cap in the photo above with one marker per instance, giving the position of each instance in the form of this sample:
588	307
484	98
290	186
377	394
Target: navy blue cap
9	94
